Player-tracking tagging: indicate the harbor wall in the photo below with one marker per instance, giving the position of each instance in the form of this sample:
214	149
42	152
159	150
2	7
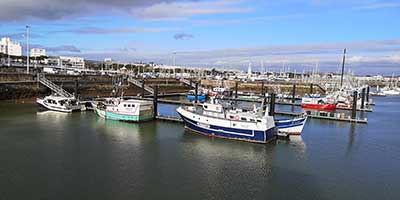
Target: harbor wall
25	86
255	87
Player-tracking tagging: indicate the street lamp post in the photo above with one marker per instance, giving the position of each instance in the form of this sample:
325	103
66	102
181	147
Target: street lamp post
27	49
8	52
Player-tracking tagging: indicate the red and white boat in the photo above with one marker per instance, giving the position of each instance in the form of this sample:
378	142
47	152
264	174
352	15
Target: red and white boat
318	103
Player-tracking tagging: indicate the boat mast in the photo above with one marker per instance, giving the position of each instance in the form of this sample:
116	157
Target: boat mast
344	59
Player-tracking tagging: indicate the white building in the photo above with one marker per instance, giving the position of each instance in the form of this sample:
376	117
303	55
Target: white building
9	47
67	62
37	52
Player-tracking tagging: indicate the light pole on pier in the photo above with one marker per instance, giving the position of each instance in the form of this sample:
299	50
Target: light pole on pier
173	58
8	52
27	49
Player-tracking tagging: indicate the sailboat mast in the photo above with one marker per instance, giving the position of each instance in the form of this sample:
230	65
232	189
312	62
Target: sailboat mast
344	60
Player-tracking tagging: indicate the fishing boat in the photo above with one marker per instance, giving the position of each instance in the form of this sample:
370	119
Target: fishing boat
125	110
225	91
390	91
59	103
291	126
224	121
191	96
250	97
317	103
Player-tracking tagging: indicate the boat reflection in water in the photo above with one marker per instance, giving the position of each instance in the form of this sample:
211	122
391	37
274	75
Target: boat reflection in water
296	141
119	131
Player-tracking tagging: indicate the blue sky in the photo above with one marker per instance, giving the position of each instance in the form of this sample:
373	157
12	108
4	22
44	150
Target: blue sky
295	34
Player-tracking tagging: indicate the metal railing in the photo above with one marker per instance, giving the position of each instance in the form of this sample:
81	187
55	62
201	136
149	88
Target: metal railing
140	84
187	82
52	86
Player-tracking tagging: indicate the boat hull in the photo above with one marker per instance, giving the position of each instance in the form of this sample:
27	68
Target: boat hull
44	106
319	106
123	117
199	97
255	136
291	126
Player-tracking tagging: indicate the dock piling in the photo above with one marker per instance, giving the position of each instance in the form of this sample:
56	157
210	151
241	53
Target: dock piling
363	98
262	89
76	88
354	108
195	91
367	95
272	104
294	93
311	88
236	89
143	91
155	102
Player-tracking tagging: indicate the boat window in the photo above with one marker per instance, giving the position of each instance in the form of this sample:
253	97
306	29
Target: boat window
133	105
233	124
205	107
252	120
231	116
124	105
243	118
258	120
129	105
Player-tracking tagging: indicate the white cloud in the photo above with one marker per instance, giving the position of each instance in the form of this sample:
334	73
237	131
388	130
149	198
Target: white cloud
165	11
96	30
378	5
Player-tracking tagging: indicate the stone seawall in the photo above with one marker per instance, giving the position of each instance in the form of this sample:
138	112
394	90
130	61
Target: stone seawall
23	86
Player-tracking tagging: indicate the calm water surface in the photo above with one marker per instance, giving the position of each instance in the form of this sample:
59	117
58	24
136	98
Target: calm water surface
80	156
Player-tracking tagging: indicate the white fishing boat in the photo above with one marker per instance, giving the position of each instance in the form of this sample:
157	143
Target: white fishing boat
225	121
59	103
390	91
125	110
214	119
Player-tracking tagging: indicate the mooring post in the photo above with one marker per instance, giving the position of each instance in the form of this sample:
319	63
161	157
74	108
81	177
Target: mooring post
367	95
155	102
262	89
76	88
363	98
143	91
191	83
311	89
236	89
294	93
272	104
354	108
195	91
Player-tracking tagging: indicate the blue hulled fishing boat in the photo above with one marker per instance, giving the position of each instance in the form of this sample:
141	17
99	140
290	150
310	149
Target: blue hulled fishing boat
224	121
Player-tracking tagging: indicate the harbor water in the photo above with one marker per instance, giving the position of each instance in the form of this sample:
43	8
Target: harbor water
50	155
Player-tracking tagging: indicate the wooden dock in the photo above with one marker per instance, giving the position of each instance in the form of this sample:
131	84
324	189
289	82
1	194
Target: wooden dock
348	119
170	119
